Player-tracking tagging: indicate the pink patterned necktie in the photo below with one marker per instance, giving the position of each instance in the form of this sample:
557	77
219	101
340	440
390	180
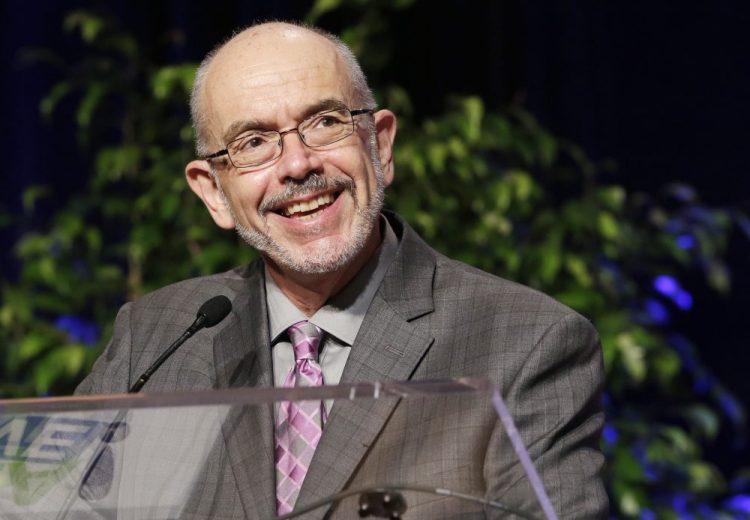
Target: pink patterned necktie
299	424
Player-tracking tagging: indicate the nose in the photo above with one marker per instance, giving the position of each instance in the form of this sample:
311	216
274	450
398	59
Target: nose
297	159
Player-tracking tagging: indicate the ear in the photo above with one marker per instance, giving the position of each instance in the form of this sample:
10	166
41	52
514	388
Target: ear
385	130
202	183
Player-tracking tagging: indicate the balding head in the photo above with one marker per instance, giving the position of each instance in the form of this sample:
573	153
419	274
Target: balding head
256	47
311	209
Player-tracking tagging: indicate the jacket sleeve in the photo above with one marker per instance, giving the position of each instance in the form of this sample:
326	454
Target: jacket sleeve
556	403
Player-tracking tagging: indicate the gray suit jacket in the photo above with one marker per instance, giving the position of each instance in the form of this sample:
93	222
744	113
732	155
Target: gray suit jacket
431	318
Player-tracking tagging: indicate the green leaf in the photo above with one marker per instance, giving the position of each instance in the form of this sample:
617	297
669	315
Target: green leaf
582	300
666	365
680	441
630	503
93	238
112	163
169	205
49	102
522	183
633	356
172	78
436	154
68	226
32	345
718	276
630	469
704	478
576	266
124	44
109	274
547	149
705	420
91	99
319	8
89	24
18	305
63	362
613	197
399	101
472	125
47	269
608	226
31	195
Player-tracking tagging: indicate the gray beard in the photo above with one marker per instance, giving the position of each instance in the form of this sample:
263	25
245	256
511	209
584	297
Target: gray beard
366	219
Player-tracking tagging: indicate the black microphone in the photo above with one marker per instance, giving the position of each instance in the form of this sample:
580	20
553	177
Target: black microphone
97	476
386	501
210	314
382	504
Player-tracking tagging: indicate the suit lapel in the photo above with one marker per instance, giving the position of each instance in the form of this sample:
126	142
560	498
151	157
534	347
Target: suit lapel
242	357
389	347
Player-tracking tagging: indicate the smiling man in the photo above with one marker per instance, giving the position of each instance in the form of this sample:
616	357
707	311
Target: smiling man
304	156
295	156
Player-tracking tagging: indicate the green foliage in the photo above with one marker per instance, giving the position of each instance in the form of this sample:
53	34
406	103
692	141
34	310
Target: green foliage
135	228
495	190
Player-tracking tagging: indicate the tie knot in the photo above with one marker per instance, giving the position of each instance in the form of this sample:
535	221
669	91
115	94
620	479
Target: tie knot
305	337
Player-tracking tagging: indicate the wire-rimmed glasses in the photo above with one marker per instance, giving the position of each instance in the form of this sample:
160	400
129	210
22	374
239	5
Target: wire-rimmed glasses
257	147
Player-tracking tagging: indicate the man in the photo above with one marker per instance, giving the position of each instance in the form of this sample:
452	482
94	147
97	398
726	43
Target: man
295	157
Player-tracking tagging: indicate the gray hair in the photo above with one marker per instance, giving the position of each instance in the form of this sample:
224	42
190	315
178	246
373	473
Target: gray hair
362	92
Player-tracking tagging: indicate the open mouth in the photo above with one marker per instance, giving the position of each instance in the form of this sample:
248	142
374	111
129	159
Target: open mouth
307	209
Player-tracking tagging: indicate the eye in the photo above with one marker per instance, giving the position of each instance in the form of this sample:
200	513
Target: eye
327	120
254	142
250	142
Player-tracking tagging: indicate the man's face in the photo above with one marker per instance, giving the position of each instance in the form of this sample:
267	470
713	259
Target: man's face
310	210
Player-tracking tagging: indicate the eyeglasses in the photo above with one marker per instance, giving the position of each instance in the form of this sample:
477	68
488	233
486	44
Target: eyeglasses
257	147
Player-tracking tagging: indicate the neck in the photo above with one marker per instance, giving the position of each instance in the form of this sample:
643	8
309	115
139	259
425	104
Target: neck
309	292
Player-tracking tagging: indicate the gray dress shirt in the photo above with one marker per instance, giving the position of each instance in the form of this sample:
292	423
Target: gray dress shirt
340	318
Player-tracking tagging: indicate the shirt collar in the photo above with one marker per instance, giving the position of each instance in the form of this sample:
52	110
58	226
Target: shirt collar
343	314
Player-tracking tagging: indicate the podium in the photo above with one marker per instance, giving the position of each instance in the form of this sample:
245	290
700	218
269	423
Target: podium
422	450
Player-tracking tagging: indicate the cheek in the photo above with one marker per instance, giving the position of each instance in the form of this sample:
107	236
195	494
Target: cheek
354	162
245	194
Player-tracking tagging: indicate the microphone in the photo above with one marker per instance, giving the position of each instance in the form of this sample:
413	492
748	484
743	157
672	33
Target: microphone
97	476
386	501
382	503
210	314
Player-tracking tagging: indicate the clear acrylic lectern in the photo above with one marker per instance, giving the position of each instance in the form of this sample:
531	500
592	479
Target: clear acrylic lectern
433	449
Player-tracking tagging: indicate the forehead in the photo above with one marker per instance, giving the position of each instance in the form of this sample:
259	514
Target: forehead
273	76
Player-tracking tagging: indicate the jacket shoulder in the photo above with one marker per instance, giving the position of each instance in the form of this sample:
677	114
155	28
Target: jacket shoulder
182	299
465	281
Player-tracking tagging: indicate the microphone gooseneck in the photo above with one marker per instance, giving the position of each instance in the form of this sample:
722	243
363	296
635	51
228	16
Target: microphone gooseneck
209	314
91	487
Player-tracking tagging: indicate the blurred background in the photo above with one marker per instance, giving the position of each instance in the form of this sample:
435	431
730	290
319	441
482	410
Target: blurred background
596	151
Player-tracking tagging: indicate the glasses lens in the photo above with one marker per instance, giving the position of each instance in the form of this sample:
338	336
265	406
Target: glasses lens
254	148
327	127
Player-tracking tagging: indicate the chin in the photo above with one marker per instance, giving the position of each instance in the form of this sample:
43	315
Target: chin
326	256
329	257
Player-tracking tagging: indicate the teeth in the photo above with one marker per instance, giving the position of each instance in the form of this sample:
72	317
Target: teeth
310	205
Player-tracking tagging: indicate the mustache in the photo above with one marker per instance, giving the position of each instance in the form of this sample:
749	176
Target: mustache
310	184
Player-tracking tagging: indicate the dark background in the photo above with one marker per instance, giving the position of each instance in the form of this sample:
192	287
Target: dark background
662	90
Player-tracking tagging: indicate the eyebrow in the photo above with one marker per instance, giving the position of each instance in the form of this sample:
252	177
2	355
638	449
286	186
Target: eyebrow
239	127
